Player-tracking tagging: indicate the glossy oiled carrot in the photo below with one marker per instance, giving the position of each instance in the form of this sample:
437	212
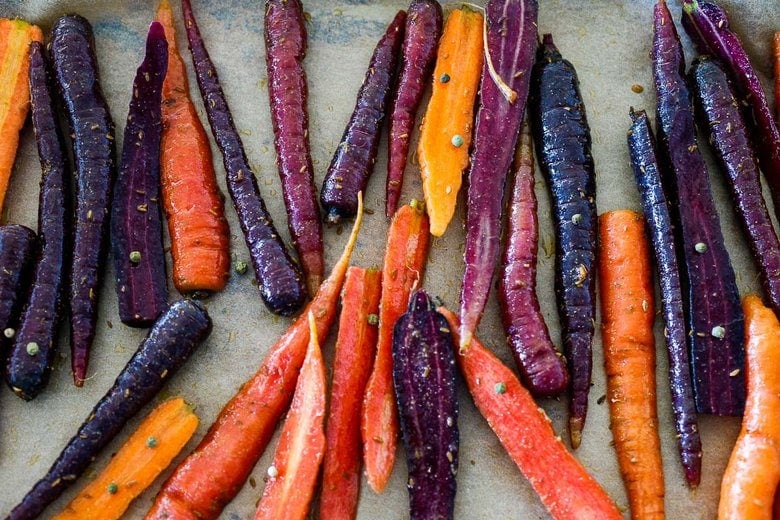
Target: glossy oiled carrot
450	113
354	355
138	462
302	443
627	315
213	474
15	38
752	475
405	257
565	488
193	205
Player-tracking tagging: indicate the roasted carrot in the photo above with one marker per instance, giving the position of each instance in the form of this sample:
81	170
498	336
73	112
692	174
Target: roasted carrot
627	315
777	75
565	488
15	38
748	488
148	451
354	355
405	257
450	114
213	474
191	199
296	464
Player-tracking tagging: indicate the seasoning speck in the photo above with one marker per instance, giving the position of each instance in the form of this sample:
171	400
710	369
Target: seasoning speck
500	387
151	442
112	488
636	88
457	140
718	332
444	78
272	471
33	348
700	247
241	267
135	256
9	333
734	373
576	219
373	319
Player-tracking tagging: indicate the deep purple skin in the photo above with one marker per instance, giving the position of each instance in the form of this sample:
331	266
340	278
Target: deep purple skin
353	162
563	146
136	222
641	146
729	136
18	245
424	380
421	40
511	41
708	26
542	370
72	50
279	277
285	46
27	374
170	342
709	287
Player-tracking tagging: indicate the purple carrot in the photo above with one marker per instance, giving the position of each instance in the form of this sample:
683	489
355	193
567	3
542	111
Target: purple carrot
136	223
511	41
30	360
543	371
421	39
714	312
285	49
708	26
641	146
278	276
18	245
354	159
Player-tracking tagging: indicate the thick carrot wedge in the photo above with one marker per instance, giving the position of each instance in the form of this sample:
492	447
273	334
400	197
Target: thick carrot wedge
627	314
302	443
450	113
565	488
148	451
213	474
15	38
354	356
405	257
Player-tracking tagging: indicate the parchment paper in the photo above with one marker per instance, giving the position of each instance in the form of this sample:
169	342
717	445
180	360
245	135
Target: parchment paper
607	40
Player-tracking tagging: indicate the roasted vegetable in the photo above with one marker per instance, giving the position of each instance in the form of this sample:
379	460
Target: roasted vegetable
424	379
169	343
355	155
562	138
278	276
714	314
18	245
641	146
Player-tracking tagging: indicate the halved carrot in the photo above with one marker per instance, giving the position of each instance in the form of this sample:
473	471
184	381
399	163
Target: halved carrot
148	451
355	349
193	205
405	257
443	149
296	464
15	38
213	474
627	315
753	473
565	488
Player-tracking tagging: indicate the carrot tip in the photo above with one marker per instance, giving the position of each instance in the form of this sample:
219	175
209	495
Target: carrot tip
575	431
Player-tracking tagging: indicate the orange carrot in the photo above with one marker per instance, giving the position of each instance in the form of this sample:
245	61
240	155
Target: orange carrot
565	488
753	473
296	464
777	75
148	451
405	256
15	38
627	314
213	474
355	348
193	205
443	149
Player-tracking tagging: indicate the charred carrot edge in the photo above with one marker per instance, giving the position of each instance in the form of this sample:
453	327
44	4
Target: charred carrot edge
450	113
214	472
148	451
191	199
752	475
298	456
355	347
405	257
565	488
16	36
628	314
